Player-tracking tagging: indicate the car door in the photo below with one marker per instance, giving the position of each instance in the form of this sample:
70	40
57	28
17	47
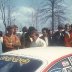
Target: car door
62	64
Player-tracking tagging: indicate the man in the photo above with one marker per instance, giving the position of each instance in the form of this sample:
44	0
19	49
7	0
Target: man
23	38
10	40
70	37
67	35
15	29
36	41
1	41
58	37
27	37
45	35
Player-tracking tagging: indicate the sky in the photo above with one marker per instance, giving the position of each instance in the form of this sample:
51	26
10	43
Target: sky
23	10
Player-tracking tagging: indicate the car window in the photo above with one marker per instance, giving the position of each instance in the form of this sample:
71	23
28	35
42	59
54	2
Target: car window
64	65
18	64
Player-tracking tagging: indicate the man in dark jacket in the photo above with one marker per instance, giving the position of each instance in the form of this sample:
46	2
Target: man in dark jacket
58	37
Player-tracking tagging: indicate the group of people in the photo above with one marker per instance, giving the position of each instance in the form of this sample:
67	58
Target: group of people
32	38
61	37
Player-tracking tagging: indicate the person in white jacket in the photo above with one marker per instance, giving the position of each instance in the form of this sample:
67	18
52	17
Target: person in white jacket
36	41
1	41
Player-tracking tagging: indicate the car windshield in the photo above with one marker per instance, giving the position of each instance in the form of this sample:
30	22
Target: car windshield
18	64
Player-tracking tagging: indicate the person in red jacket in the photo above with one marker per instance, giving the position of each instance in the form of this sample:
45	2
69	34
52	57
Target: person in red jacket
70	39
67	35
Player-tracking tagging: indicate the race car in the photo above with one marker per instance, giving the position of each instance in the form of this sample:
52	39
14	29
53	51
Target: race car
37	59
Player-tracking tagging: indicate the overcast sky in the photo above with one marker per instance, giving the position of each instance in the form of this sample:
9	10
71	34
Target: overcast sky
23	10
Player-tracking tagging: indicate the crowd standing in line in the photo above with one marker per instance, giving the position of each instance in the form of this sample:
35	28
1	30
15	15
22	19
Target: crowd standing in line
30	37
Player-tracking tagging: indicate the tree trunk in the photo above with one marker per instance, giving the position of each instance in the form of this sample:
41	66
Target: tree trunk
52	16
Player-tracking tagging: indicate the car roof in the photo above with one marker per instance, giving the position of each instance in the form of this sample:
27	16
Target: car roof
48	53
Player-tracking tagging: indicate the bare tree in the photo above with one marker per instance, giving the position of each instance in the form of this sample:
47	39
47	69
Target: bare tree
35	19
59	15
9	11
53	9
5	7
2	7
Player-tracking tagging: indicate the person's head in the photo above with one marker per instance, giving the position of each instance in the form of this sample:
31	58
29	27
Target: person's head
1	33
60	28
71	26
45	31
34	35
10	29
24	29
15	28
67	27
31	29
